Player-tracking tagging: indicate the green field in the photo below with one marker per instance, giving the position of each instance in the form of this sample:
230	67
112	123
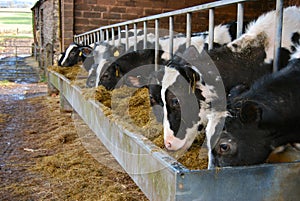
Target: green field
15	24
16	18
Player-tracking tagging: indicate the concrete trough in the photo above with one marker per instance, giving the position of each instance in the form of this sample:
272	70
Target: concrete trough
162	178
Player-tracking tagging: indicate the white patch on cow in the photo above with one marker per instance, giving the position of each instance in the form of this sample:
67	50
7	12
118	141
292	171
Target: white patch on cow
221	35
99	70
265	25
197	41
91	71
68	50
169	78
214	118
296	54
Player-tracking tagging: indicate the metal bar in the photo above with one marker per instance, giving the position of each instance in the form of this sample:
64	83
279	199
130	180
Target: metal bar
135	38
101	35
145	34
98	36
107	34
87	39
278	34
211	28
206	6
240	19
113	36
126	38
156	43
119	36
171	35
188	29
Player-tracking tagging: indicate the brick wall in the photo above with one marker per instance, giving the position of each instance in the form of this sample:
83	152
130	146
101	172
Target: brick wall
47	38
79	16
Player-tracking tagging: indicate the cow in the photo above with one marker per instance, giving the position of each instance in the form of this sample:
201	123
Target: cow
74	54
132	68
106	50
261	119
261	33
235	67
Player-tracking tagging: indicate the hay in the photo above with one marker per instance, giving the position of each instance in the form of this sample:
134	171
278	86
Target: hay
131	108
69	72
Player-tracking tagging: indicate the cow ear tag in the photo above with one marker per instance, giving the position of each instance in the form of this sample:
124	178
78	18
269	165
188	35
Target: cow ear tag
117	72
80	53
194	83
116	53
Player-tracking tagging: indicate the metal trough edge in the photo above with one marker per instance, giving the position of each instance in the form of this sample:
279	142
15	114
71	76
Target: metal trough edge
161	177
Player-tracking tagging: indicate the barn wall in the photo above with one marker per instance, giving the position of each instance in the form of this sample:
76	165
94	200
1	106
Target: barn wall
46	30
63	19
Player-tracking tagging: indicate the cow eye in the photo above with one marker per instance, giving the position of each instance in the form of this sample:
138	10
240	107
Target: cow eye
224	147
105	76
175	102
152	100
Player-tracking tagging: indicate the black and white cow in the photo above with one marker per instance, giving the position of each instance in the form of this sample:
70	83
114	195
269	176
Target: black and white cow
74	54
235	67
132	68
106	50
263	118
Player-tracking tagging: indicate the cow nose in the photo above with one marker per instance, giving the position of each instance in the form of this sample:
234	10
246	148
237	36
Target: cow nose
173	143
168	145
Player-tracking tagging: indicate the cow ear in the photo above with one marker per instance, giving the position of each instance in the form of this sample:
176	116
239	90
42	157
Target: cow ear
136	81
250	112
193	77
86	51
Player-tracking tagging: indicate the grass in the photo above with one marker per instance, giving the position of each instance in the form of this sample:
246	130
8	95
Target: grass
16	18
15	24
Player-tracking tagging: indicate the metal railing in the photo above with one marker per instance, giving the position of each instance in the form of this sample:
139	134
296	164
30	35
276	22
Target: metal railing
103	33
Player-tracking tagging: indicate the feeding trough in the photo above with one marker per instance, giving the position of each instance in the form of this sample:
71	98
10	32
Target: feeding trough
161	177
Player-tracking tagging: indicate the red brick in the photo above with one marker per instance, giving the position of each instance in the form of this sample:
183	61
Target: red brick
68	14
117	9
91	14
106	2
91	1
126	16
112	15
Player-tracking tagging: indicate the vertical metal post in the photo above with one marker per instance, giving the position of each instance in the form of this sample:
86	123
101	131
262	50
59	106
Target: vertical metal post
135	37
240	19
107	35
171	34
94	37
119	36
88	39
98	36
278	34
156	43
113	36
126	38
188	29
211	28
145	34
102	35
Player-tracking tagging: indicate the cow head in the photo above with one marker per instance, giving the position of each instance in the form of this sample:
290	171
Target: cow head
247	138
73	54
181	97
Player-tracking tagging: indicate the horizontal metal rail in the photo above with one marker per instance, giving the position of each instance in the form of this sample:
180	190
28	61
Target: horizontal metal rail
106	33
102	33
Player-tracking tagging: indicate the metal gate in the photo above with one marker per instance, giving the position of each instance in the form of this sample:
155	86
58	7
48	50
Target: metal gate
14	54
103	33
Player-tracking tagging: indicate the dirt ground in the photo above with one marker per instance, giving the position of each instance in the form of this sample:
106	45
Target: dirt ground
42	158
